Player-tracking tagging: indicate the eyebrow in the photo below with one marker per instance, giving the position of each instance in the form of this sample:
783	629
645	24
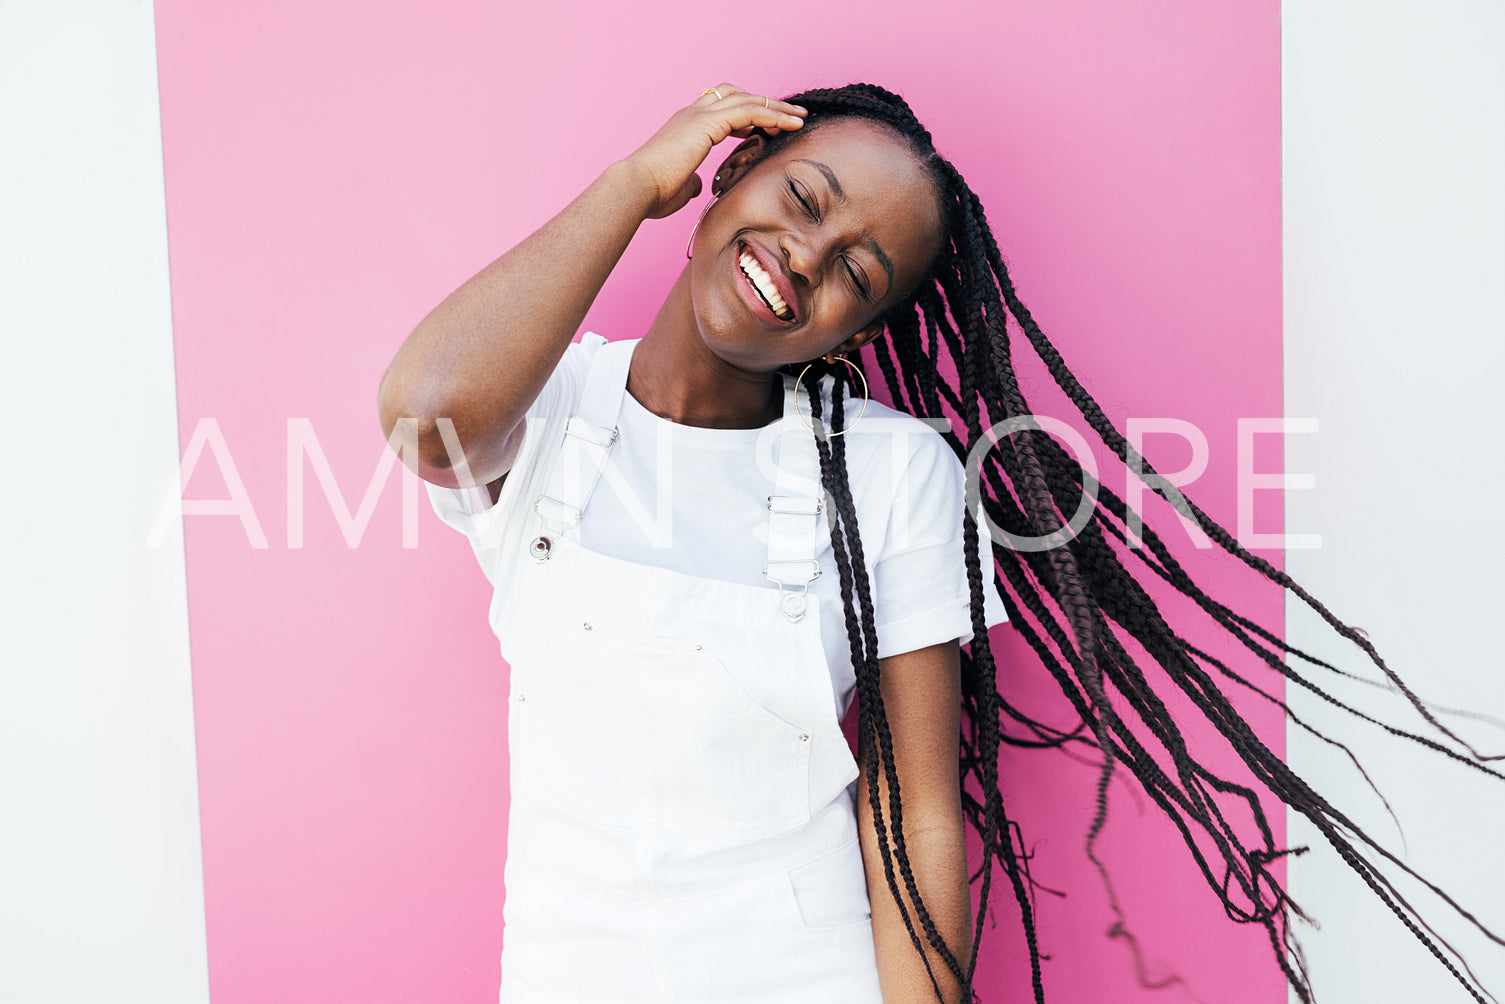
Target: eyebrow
841	196
830	177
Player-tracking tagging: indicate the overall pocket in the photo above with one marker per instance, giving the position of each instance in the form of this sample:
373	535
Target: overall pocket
654	732
830	892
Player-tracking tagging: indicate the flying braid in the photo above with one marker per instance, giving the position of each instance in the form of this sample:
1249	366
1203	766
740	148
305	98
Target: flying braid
1081	596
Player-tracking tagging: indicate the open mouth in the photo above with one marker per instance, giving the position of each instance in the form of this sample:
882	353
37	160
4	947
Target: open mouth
763	285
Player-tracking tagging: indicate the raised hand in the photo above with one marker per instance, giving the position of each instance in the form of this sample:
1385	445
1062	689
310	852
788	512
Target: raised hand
667	162
481	357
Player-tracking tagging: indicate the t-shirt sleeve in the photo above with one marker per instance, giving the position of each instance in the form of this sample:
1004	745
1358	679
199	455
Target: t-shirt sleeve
491	528
921	596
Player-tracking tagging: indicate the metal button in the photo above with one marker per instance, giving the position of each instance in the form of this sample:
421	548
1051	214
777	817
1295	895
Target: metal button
793	605
804	737
522	697
698	646
587	625
539	549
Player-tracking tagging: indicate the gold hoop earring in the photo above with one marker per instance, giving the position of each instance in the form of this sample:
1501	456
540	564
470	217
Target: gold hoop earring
690	244
855	369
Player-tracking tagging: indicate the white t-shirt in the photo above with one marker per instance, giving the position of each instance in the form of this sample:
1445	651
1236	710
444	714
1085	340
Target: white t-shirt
693	500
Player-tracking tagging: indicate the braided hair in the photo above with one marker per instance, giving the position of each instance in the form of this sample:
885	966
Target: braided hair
956	316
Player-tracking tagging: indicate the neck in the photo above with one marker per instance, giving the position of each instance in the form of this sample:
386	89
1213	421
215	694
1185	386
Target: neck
675	376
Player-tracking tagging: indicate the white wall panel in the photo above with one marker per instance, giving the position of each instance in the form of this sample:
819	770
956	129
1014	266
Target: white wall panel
101	891
1394	248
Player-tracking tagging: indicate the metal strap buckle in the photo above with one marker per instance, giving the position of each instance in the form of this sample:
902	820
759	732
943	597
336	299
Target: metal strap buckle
570	514
795	505
560	515
814	567
792	604
597	435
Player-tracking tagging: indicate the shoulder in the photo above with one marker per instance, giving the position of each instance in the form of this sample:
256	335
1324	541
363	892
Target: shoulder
907	481
585	350
901	449
487	513
891	420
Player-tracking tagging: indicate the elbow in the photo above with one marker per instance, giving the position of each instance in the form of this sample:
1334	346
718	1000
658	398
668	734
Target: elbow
412	429
427	433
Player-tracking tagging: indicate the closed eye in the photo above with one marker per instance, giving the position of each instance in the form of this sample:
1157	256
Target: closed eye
809	209
857	281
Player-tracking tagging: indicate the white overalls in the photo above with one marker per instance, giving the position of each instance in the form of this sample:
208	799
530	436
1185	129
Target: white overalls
680	828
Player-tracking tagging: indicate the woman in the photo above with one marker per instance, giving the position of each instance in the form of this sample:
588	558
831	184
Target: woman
684	821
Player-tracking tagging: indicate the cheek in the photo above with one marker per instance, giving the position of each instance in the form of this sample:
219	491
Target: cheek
835	316
755	209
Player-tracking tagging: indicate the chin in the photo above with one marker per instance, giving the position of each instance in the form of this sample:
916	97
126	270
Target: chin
730	338
739	348
740	338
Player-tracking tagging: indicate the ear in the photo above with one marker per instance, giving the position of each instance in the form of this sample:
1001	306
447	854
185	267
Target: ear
856	342
738	162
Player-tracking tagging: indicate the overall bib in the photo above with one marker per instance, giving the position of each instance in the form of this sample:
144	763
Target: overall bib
681	828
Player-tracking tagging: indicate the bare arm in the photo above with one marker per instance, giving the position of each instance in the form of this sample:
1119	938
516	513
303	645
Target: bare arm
481	357
922	700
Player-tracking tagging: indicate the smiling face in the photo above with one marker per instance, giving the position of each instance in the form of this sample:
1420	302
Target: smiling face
808	246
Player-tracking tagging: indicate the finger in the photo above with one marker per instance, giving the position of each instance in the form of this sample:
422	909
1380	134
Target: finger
742	113
785	107
753	114
748	130
765	101
728	91
758	110
720	92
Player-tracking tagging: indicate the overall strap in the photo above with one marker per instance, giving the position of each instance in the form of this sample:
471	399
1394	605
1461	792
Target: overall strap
795	508
588	438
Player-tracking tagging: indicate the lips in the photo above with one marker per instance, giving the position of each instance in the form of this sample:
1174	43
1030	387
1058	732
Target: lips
771	265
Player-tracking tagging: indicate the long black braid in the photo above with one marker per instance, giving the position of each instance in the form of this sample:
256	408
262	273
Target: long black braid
1076	591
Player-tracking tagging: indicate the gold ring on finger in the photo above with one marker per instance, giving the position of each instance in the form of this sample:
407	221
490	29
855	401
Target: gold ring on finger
711	90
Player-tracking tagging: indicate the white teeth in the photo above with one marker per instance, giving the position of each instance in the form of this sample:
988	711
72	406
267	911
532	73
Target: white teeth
760	279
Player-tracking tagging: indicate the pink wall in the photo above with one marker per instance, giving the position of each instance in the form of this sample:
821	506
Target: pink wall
333	172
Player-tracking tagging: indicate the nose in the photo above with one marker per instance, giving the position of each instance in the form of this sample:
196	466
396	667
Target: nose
803	255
